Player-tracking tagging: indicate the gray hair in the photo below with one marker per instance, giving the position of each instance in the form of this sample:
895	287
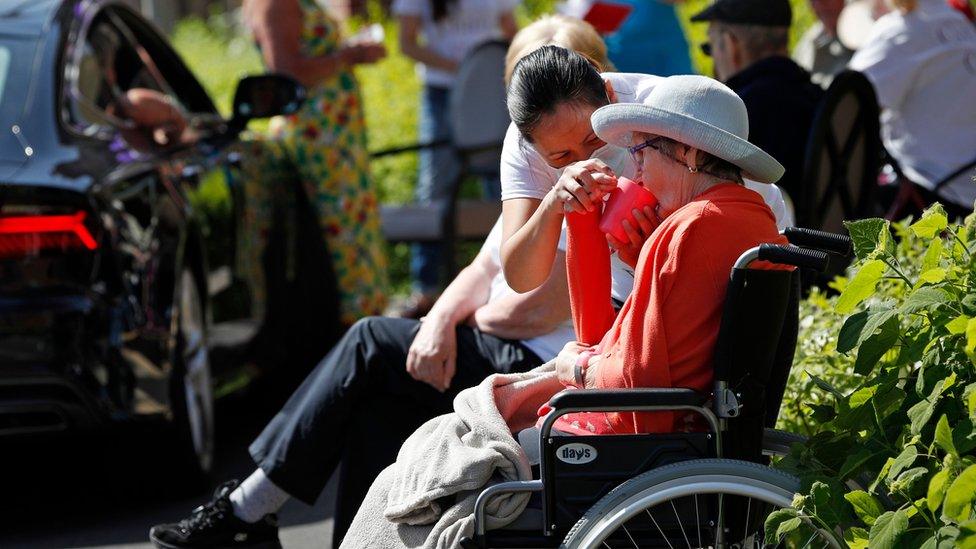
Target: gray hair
707	162
759	40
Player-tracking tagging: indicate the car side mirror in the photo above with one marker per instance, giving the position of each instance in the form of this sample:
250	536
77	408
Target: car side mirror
263	96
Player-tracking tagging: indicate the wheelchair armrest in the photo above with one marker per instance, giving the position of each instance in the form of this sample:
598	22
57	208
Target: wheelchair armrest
604	400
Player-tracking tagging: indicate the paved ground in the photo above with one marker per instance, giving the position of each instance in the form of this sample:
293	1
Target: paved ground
105	491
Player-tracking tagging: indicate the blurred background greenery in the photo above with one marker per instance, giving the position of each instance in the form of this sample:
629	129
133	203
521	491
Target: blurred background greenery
219	53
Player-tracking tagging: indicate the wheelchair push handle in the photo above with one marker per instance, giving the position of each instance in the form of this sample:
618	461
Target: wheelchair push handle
793	255
811	238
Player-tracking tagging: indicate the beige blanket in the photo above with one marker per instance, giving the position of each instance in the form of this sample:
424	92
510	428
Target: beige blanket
426	499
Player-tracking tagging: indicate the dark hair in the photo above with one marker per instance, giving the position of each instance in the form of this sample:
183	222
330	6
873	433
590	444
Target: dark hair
548	77
441	8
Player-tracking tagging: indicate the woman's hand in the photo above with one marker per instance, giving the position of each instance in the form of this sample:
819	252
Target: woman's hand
629	251
432	354
364	53
582	186
566	363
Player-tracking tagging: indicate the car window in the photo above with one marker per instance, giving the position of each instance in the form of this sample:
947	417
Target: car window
105	68
119	52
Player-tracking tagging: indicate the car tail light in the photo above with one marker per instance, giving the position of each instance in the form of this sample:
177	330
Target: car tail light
30	235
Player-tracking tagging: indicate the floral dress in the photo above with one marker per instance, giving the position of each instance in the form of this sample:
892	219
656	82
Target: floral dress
325	143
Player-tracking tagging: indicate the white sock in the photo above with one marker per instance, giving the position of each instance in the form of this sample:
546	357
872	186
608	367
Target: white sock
256	497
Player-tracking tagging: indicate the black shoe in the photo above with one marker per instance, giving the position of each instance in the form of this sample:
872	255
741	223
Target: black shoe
215	525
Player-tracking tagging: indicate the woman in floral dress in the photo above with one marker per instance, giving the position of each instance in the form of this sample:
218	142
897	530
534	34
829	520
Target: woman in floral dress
325	142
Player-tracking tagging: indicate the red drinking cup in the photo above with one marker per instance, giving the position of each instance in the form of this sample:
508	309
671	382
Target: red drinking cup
628	196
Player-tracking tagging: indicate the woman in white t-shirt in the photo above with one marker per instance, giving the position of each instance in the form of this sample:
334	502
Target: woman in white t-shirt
438	34
553	162
921	59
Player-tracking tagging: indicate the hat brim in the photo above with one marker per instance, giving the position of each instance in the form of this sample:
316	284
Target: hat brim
615	123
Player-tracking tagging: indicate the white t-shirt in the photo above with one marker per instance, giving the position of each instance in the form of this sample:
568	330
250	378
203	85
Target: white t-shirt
467	24
526	174
546	346
923	67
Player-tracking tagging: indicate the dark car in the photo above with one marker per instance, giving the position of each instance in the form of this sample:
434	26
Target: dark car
106	274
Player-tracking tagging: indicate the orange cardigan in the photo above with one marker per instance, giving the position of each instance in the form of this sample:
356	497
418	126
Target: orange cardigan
666	331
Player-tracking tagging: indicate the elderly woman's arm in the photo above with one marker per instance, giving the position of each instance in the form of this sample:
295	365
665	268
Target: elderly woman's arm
277	27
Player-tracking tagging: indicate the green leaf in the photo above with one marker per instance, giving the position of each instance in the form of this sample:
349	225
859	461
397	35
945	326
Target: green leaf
967	535
922	411
904	460
850	332
937	489
788	526
971	335
932	276
824	504
861	286
865	506
959	497
826	386
887	529
856	538
943	436
882	474
875	346
855	461
970	393
933	221
907	481
926	298
776	519
958	325
932	255
865	235
862	395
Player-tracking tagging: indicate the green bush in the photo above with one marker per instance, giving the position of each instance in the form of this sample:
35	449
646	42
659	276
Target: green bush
905	433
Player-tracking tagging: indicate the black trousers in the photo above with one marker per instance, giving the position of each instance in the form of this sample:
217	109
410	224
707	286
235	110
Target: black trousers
359	404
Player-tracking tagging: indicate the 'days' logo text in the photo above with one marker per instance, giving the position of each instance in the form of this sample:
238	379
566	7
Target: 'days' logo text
576	453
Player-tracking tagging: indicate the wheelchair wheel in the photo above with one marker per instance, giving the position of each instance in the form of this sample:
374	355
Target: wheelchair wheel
680	505
777	443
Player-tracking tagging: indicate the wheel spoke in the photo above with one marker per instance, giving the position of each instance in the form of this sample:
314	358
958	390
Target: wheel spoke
745	534
698	521
675	509
626	531
656	525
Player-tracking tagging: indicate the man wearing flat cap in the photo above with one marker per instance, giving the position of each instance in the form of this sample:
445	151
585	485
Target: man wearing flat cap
748	42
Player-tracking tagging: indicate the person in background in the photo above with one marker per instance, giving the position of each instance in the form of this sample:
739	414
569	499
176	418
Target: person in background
921	59
819	51
558	30
650	40
438	34
325	141
748	41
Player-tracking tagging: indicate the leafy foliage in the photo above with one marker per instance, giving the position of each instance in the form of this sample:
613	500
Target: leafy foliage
893	396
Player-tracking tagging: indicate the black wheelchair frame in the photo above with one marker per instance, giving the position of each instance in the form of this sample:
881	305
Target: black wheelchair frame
752	362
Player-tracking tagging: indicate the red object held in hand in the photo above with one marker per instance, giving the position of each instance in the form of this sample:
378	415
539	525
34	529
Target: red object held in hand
628	196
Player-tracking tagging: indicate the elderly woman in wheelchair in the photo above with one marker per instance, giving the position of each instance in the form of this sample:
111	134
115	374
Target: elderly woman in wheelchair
664	447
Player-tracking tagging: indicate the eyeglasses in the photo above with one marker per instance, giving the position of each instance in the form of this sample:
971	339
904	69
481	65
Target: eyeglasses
639	158
706	48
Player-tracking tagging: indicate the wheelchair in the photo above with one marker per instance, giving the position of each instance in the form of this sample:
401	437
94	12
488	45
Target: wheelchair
711	488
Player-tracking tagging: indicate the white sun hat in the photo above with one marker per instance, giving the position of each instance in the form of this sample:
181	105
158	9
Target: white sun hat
694	110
